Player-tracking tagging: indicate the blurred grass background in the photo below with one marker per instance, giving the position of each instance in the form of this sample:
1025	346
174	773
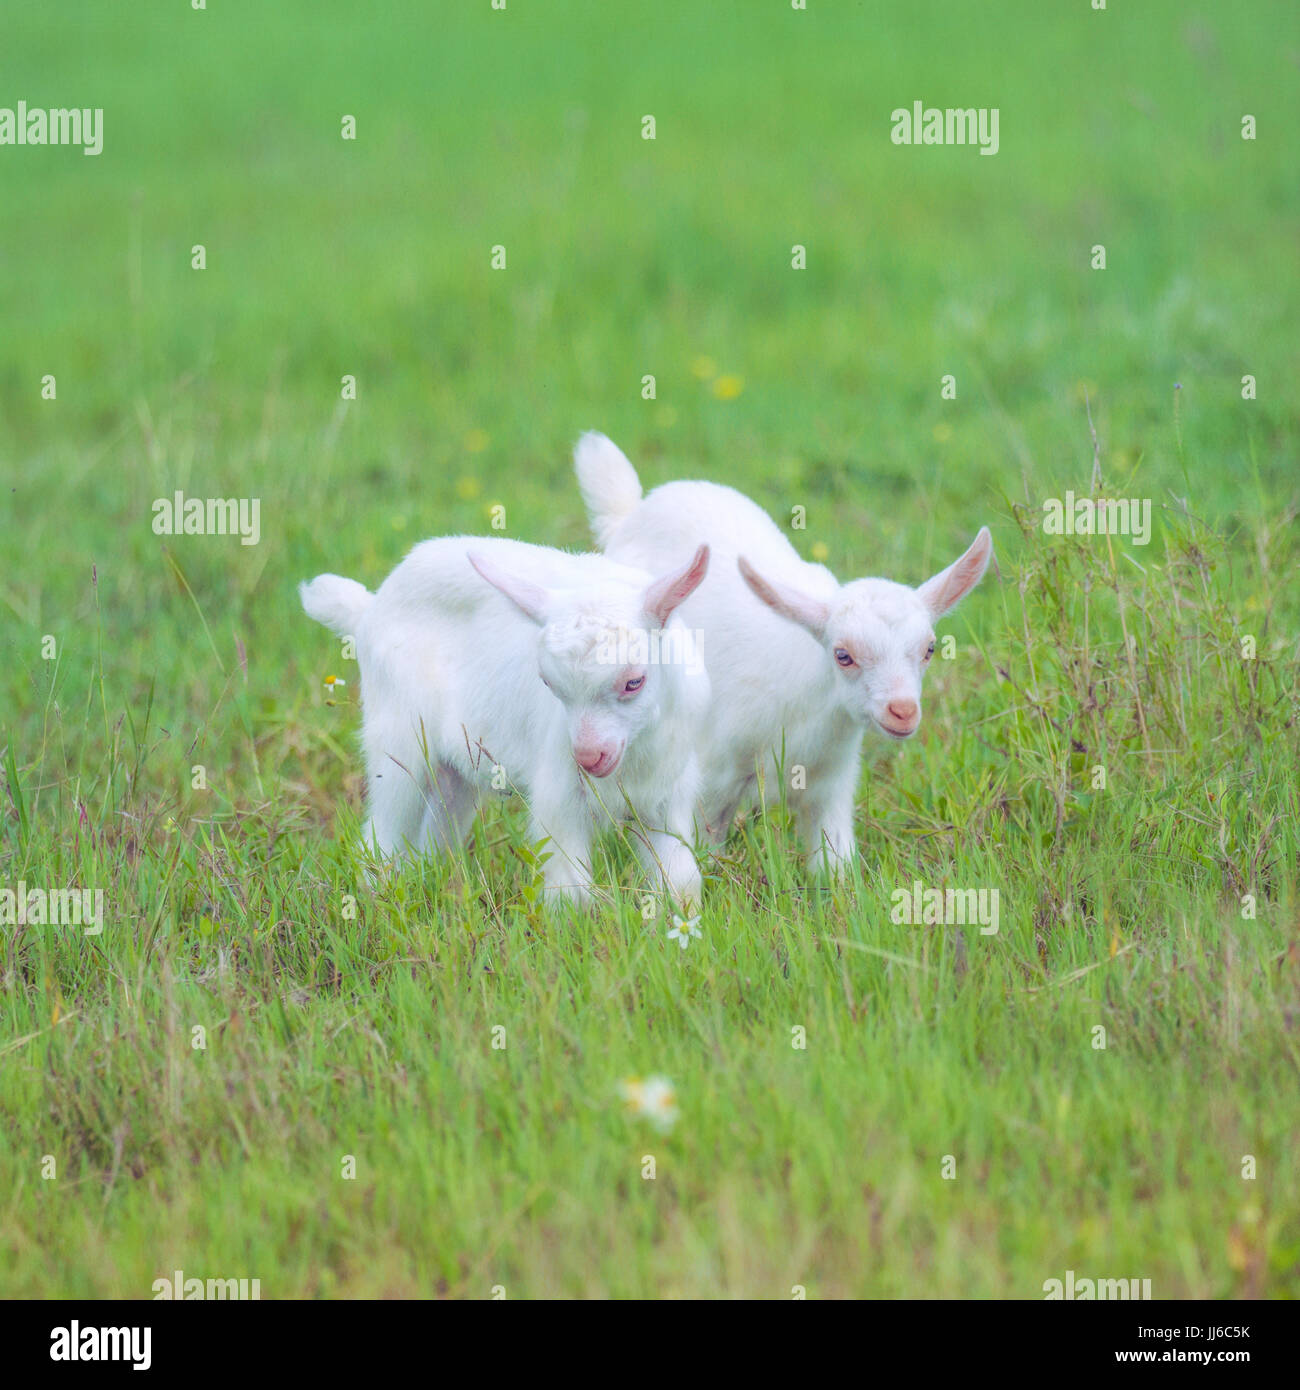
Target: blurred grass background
818	388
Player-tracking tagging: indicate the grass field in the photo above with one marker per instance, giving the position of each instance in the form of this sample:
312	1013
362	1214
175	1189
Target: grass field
951	1127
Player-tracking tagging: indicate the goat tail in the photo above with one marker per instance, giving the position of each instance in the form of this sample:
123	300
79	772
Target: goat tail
336	602
609	485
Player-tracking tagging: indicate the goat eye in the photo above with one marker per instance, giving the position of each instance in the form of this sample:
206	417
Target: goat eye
843	657
930	652
634	685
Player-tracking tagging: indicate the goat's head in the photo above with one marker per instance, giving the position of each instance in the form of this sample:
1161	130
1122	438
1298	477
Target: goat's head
879	635
606	654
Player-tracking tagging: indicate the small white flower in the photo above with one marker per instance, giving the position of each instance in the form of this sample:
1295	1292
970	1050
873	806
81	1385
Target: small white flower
652	1098
683	930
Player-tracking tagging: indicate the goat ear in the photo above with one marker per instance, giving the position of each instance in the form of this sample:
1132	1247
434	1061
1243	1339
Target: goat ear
794	604
664	595
531	600
947	588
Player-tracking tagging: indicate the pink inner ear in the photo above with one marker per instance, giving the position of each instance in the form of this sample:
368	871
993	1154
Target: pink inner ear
664	595
528	597
801	608
947	588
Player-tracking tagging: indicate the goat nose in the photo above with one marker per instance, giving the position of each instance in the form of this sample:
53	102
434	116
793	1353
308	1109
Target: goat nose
588	759
905	711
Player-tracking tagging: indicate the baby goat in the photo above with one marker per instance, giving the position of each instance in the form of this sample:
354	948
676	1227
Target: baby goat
801	664
488	662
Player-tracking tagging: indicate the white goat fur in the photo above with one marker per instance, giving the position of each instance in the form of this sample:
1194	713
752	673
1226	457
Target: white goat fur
455	667
772	629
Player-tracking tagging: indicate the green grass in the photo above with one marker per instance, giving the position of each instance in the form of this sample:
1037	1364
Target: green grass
228	909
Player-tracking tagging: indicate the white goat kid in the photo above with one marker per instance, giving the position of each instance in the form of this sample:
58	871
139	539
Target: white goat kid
801	665
532	679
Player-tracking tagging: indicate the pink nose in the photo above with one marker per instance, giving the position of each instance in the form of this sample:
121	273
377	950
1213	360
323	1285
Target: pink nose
905	711
591	760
